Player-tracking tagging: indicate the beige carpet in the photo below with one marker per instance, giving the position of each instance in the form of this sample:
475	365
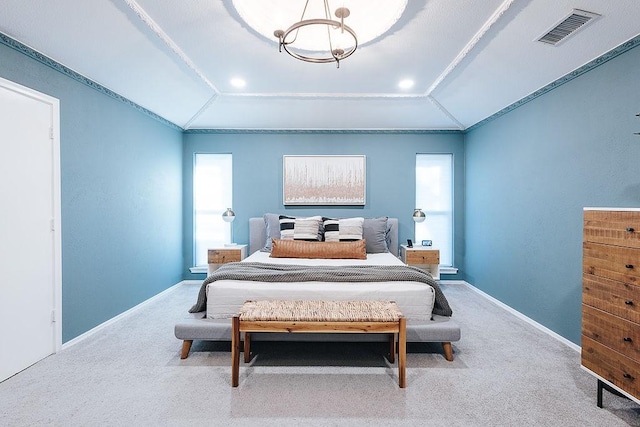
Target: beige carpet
505	373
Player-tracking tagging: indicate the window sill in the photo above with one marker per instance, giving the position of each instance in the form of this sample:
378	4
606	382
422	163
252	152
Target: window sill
199	269
448	270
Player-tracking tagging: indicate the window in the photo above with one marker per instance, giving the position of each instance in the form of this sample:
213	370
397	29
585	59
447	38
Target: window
212	195
434	195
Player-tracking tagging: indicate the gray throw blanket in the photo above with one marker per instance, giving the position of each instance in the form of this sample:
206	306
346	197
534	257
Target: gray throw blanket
261	272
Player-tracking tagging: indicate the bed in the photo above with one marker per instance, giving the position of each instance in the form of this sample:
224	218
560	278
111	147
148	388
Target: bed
275	270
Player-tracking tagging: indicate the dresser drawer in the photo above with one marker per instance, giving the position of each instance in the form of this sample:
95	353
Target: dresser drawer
613	262
611	365
422	257
223	256
620	228
621	299
612	331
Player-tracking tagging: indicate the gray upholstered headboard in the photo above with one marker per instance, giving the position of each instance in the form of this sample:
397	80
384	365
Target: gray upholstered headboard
258	234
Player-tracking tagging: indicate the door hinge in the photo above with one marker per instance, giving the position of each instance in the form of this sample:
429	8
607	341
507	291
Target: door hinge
51	133
53	316
53	225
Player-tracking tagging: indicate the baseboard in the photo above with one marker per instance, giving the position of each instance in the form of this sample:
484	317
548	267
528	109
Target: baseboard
521	316
122	315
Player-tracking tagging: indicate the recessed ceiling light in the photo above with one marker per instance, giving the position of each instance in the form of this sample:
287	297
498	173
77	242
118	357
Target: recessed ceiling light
238	82
405	84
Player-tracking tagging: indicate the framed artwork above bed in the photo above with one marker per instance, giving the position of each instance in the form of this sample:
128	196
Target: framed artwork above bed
324	180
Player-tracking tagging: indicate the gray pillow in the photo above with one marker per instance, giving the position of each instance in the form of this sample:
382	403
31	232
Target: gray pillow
374	231
272	226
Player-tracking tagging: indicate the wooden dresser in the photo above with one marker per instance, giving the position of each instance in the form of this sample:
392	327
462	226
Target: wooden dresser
611	300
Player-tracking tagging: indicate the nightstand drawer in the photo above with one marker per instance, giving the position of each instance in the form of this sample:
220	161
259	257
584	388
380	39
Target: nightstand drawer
611	365
618	298
620	228
613	262
612	331
422	257
222	256
218	256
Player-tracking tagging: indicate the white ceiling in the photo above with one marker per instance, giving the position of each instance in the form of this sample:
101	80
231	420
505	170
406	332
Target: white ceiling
469	59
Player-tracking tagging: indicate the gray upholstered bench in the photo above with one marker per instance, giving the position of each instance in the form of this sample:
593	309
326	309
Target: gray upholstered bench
198	328
441	329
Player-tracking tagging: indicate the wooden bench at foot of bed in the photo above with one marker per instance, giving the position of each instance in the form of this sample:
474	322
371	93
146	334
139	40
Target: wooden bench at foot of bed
369	317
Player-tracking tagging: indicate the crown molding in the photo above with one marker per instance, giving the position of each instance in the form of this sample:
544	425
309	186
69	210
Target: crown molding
624	47
22	48
43	59
323	131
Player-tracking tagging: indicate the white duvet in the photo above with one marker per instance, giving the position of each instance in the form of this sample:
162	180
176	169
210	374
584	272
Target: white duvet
225	297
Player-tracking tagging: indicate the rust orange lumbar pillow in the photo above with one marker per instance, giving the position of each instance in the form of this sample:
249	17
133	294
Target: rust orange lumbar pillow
327	250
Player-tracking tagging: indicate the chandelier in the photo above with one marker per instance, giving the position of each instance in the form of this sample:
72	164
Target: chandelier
313	31
339	48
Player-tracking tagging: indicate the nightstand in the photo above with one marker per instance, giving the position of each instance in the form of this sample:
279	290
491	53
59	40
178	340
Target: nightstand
222	255
424	257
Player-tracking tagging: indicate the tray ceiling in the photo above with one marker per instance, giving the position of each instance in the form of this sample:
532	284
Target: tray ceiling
468	60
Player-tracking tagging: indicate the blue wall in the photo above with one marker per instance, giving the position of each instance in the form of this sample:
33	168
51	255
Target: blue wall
520	185
257	175
121	197
530	172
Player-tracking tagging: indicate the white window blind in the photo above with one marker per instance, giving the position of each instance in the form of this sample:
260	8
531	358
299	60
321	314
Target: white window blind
434	195
212	195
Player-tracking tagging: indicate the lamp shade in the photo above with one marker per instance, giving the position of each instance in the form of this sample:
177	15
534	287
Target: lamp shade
228	215
418	215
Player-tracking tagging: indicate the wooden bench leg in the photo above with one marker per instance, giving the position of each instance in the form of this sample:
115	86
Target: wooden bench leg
247	347
448	351
186	347
392	348
402	353
235	351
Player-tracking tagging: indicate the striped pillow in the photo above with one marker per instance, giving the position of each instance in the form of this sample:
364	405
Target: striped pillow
300	228
343	230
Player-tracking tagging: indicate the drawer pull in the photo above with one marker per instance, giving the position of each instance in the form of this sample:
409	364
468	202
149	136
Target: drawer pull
628	266
628	376
628	302
627	339
630	229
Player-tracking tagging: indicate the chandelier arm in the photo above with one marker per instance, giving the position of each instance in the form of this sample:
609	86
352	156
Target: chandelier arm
304	11
327	15
329	37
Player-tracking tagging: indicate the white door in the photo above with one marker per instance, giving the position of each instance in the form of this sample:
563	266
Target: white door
29	228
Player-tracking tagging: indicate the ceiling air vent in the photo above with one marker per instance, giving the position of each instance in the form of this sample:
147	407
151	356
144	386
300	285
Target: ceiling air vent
568	26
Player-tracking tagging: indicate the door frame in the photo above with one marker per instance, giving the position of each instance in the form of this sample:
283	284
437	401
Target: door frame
56	222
